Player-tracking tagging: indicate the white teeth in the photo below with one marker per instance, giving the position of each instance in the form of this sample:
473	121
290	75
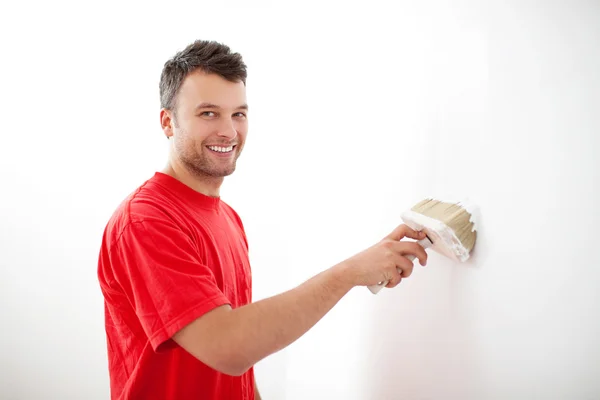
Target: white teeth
221	149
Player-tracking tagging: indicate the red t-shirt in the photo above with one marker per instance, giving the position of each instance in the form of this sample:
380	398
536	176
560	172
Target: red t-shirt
170	254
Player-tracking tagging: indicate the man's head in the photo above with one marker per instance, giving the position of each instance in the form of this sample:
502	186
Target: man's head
204	110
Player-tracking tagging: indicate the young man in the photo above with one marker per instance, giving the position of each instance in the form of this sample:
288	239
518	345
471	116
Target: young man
173	265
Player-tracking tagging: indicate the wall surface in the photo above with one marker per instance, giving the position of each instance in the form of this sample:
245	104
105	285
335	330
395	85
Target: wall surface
357	112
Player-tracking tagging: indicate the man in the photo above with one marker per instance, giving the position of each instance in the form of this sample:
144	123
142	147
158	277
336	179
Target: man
173	265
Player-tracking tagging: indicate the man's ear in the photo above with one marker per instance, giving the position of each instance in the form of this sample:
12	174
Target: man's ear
167	122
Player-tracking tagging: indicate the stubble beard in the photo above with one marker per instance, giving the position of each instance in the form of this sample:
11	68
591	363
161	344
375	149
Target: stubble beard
198	162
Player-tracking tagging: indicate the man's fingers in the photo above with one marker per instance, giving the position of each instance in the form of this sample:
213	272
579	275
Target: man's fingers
396	279
404	268
405	265
403	231
412	248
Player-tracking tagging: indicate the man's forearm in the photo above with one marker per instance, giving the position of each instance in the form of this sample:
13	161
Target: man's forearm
259	329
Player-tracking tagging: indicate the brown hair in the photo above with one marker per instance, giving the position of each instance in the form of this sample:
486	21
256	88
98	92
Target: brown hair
208	56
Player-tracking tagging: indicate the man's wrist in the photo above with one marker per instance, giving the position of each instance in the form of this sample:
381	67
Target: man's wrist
341	279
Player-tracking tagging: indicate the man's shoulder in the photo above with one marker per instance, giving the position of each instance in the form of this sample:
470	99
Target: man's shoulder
232	213
145	203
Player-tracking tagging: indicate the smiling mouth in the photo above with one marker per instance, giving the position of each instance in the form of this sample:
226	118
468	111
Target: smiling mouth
221	149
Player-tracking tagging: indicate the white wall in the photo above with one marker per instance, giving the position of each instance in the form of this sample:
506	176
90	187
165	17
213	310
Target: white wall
357	111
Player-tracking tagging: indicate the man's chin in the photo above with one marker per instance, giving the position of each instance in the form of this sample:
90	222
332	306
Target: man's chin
220	173
201	169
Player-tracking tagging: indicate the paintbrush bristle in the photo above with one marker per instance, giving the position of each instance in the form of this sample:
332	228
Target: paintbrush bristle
452	215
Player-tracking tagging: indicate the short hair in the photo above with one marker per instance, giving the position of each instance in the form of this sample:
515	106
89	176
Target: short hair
207	56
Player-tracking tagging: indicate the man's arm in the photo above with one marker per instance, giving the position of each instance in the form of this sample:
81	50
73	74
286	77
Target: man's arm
241	337
233	340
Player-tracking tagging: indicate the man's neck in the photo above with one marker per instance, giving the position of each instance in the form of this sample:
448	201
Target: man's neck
208	186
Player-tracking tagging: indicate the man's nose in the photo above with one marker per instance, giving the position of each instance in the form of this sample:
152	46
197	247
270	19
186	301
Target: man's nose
227	130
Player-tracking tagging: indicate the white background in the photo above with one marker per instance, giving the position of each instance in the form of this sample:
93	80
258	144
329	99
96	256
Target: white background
358	110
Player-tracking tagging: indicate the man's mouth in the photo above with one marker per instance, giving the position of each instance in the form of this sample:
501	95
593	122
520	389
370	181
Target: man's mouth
221	149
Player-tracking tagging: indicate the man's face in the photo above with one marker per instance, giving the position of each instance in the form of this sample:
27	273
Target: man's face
210	125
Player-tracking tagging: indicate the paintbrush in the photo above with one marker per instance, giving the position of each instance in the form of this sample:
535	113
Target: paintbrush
449	228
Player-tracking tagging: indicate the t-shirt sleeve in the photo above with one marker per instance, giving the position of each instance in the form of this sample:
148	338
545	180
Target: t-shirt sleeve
167	284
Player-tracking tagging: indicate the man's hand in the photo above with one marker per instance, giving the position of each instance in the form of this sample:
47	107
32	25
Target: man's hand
382	261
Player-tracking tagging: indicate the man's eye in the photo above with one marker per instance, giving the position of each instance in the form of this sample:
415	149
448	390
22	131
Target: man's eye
208	114
240	114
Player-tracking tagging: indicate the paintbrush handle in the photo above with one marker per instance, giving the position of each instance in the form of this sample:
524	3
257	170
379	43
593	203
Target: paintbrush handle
425	243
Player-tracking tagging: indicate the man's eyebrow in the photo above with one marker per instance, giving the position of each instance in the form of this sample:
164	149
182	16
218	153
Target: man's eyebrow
210	105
